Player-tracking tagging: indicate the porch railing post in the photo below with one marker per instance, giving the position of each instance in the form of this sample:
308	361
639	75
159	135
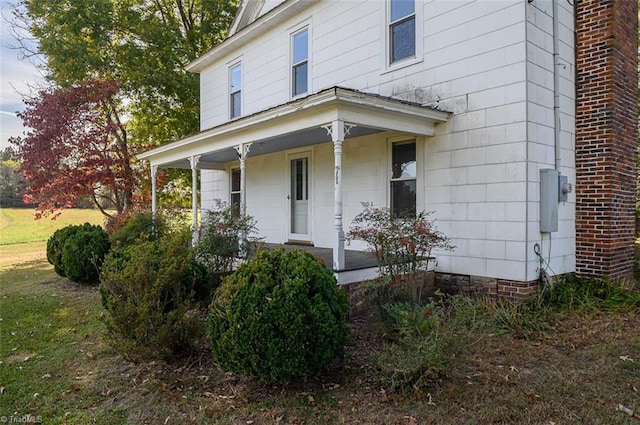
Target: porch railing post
194	197
337	136
243	151
154	196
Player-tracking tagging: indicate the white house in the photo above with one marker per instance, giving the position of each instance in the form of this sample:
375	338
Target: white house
466	108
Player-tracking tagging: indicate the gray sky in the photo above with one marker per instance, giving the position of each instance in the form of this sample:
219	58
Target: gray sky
15	78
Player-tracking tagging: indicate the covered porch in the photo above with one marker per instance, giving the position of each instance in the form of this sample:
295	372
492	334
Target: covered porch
333	115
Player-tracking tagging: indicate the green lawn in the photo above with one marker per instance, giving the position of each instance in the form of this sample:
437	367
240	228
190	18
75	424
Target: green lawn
49	327
56	366
17	225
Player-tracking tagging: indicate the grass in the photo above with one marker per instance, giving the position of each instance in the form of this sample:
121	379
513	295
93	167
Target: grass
56	365
17	225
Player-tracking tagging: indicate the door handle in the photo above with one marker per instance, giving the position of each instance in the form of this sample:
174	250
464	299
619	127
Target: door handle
289	197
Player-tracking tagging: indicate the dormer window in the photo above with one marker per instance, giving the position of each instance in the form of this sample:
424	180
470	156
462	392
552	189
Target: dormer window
402	29
235	91
300	62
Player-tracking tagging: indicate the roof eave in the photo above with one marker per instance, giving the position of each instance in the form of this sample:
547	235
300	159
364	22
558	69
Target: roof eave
255	29
335	95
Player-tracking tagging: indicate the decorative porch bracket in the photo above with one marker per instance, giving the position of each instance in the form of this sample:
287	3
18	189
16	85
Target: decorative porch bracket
242	151
337	130
154	196
193	160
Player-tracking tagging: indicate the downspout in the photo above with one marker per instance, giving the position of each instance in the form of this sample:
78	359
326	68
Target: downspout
526	94
556	87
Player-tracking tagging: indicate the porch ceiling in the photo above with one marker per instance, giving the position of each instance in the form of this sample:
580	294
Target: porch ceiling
297	124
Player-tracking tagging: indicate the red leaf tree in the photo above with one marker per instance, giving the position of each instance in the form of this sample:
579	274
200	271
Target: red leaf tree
77	147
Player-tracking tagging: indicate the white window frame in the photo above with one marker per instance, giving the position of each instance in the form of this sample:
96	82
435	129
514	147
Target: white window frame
232	66
418	57
231	191
419	177
292	32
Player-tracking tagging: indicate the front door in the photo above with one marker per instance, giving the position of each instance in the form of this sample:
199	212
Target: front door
299	205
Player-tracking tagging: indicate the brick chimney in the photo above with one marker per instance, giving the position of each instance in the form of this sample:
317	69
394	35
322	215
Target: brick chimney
606	136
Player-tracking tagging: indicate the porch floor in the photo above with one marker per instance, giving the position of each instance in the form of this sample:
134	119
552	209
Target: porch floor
359	265
354	260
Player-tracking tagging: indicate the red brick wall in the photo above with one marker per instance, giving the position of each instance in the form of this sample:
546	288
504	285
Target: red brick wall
606	136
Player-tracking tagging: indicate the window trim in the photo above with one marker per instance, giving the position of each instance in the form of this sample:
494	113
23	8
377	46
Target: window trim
292	32
231	191
387	64
232	66
419	177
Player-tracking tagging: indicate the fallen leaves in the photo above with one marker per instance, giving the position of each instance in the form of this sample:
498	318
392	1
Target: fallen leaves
430	400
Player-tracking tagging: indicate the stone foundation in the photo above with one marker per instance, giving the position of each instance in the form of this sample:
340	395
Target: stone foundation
424	286
419	288
485	286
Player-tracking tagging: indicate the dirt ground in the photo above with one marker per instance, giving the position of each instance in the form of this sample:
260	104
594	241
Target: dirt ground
576	372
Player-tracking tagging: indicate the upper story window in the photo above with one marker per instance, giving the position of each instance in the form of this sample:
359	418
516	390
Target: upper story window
300	62
402	30
235	91
403	179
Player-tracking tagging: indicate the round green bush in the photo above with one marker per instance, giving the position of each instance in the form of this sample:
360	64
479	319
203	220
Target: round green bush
77	252
84	252
55	245
147	290
279	316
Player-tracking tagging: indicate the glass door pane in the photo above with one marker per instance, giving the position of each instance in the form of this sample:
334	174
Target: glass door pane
299	196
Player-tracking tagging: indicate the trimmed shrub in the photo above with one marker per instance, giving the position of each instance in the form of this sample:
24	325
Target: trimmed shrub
77	252
55	245
83	254
147	290
281	315
139	227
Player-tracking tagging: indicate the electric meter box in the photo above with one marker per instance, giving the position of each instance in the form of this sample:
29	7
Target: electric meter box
549	196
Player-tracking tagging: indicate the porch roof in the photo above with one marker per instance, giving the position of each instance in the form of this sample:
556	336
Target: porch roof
296	124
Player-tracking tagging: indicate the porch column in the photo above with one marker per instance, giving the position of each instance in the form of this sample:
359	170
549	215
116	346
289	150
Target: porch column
194	197
243	151
337	136
154	196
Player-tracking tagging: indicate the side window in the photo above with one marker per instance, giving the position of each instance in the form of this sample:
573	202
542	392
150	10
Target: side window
300	62
235	91
403	179
402	29
235	187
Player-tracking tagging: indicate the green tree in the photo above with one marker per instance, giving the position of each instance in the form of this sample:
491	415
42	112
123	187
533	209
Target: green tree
142	44
11	184
145	44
